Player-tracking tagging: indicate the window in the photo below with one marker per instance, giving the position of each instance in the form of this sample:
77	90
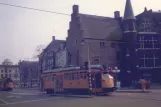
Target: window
68	76
10	71
96	61
149	60
73	78
102	44
83	75
1	75
77	58
6	75
146	25
118	56
76	41
155	60
113	45
69	58
9	75
77	75
1	71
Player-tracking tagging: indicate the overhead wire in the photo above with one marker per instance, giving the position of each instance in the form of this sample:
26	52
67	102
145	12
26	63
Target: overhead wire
47	11
30	8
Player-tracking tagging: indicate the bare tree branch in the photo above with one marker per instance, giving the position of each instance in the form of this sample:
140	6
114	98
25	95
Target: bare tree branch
39	50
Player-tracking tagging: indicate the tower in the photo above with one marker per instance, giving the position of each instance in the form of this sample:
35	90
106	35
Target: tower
129	42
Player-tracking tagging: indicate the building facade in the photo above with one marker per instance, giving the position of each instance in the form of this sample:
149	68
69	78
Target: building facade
92	37
53	56
61	57
141	45
9	70
132	43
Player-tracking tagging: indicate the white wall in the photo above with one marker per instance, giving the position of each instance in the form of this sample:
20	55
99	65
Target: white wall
12	73
61	58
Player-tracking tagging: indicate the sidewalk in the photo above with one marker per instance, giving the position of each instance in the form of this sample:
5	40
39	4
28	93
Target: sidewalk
133	91
26	90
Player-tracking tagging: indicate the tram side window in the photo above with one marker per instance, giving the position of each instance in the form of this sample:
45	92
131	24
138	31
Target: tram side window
72	76
75	76
61	77
65	76
83	75
68	76
53	78
45	78
78	75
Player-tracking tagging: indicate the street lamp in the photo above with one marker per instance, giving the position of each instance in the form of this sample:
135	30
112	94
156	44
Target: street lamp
89	66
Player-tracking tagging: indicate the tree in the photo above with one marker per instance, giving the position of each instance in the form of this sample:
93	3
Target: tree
16	75
39	50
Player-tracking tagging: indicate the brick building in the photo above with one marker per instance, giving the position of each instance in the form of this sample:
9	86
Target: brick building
93	35
130	42
141	48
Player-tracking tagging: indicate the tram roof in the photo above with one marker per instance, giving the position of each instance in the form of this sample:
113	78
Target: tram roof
98	67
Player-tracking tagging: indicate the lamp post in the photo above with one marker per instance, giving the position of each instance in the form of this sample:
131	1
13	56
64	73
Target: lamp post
89	67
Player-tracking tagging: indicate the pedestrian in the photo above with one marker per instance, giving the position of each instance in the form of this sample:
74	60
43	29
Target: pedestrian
143	84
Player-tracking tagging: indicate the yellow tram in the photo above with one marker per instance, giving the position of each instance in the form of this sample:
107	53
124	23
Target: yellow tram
6	84
75	80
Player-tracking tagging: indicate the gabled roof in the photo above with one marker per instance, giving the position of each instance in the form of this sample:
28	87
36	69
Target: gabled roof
128	14
53	46
97	27
156	16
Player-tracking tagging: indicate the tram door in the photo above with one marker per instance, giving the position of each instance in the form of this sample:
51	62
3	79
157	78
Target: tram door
55	83
58	83
98	80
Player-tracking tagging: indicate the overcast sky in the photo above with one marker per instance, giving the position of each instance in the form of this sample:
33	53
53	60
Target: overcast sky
22	30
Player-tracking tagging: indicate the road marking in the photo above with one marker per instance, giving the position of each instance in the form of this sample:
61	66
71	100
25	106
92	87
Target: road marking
10	96
3	101
37	93
30	101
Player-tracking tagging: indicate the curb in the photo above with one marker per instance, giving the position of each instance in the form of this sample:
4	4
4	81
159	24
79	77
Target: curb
78	96
133	91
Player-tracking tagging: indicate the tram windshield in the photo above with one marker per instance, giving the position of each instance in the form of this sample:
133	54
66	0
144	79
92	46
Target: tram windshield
106	76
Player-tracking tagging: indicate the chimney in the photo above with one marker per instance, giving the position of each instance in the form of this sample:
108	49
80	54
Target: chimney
53	38
145	9
75	9
117	14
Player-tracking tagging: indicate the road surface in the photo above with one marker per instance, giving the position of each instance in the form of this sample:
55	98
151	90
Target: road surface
38	99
